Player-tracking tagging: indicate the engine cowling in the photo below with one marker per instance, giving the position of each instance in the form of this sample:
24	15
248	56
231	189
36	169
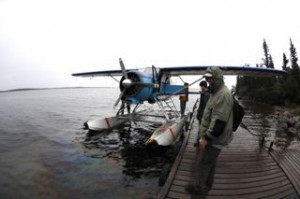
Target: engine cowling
137	87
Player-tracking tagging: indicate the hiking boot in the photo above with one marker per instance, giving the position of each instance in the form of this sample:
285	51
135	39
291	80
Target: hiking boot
193	189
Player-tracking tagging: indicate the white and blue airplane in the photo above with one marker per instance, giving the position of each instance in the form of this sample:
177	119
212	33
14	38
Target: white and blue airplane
152	85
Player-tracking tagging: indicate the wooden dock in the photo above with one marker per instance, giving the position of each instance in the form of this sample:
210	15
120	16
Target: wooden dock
244	170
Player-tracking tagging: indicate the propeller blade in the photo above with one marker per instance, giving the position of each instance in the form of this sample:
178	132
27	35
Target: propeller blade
120	97
123	68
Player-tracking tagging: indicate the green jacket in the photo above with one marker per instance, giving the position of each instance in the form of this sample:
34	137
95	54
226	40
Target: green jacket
216	123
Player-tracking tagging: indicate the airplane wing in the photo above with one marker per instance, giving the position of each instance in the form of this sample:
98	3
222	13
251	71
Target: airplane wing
99	73
196	70
227	70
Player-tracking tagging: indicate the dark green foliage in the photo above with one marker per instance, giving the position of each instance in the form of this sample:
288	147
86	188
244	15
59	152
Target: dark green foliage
266	53
294	59
271	64
276	90
285	63
267	60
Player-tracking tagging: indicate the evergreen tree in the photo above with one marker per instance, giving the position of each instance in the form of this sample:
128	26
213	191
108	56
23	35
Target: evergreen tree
294	59
283	90
294	76
271	64
285	63
266	53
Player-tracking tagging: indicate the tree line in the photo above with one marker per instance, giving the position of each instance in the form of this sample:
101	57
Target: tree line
283	90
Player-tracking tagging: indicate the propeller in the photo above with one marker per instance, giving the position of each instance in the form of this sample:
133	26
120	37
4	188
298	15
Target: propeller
120	97
130	81
123	68
126	82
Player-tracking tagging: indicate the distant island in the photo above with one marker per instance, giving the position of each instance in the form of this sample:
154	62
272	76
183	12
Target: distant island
30	89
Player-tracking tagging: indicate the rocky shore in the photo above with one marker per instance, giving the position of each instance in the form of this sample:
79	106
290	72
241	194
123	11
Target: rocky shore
288	126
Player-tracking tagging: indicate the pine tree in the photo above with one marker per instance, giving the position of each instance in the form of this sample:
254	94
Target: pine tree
285	63
292	80
283	90
271	64
266	53
294	59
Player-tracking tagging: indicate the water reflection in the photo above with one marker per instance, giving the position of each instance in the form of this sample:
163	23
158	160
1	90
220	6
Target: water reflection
263	121
126	146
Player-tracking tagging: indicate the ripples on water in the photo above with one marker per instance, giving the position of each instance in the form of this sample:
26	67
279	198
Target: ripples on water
45	153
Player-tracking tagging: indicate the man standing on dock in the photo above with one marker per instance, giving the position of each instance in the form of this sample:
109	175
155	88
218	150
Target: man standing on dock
184	98
215	130
204	96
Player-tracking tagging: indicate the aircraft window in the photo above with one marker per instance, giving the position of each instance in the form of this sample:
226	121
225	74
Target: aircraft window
147	70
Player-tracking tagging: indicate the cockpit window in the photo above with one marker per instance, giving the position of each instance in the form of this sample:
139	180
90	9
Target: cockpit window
147	70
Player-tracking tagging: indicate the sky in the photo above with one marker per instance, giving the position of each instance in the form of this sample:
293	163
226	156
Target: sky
42	42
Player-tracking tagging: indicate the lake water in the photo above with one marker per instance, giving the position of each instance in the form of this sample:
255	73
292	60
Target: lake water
46	153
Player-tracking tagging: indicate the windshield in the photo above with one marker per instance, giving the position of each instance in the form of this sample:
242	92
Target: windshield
147	71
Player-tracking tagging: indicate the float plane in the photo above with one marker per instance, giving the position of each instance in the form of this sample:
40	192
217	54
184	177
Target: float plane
152	85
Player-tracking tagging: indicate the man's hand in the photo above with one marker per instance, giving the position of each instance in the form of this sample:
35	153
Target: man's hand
202	144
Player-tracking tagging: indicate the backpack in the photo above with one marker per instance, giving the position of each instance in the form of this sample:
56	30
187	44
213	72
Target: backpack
238	114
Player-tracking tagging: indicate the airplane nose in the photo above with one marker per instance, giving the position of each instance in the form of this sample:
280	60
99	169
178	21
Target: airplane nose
127	83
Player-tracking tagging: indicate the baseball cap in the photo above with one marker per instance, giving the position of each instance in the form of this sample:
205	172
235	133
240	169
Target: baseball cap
207	75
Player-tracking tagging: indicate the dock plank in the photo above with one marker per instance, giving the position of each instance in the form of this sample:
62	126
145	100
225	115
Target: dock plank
244	170
289	161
